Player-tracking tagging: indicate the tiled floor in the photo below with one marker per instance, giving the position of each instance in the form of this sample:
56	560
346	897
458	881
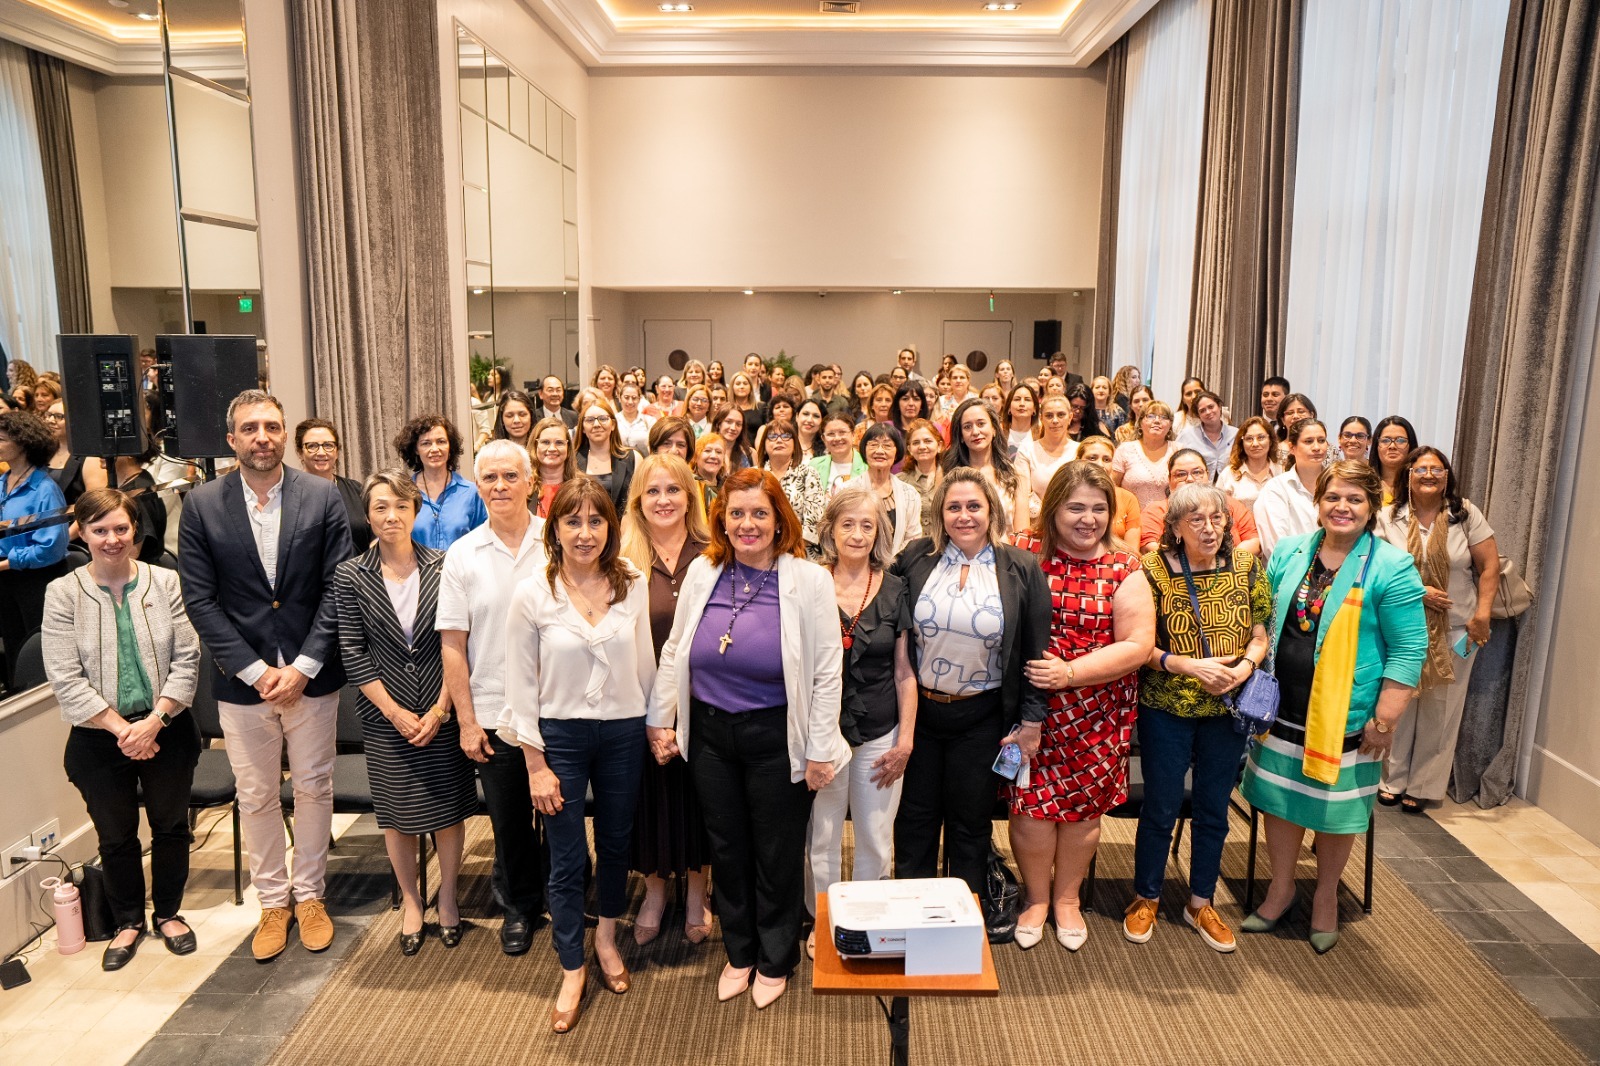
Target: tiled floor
1519	886
72	1011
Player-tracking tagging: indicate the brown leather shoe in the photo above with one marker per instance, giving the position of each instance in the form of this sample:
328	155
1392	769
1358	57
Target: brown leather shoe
1139	920
272	935
1209	924
564	1021
316	928
615	982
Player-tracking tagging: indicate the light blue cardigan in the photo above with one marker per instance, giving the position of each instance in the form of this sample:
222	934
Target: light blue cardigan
1394	630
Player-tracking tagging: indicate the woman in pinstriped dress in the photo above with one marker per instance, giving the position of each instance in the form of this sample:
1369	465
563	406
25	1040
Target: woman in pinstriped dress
421	780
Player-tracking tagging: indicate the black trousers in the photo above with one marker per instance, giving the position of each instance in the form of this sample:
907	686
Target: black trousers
110	783
22	610
950	787
756	823
519	862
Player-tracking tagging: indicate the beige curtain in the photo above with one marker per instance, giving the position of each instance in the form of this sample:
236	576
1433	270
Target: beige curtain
60	158
1527	360
366	79
1241	276
1110	180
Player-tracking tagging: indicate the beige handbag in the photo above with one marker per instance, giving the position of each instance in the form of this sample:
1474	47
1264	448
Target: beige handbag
1513	596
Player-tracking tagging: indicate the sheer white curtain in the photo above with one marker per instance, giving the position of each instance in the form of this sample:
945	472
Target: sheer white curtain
28	316
1163	119
1397	105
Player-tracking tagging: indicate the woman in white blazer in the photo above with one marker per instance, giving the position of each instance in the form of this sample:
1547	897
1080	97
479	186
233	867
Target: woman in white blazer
755	663
884	448
124	661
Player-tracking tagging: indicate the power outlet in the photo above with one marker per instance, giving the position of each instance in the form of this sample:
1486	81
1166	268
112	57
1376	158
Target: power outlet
48	836
7	867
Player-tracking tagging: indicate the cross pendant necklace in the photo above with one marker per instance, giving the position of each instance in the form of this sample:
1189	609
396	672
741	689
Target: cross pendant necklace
735	606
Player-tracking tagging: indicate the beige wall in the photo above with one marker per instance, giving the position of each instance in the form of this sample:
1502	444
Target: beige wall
896	180
859	330
1564	772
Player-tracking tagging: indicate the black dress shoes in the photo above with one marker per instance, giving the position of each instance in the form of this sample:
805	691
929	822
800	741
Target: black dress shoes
183	943
450	935
516	935
116	958
411	943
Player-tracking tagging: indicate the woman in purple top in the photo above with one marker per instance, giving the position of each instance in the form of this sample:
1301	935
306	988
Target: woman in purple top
755	662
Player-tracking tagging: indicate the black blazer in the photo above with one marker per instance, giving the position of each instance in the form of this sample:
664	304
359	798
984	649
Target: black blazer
360	531
567	415
1025	603
239	616
370	641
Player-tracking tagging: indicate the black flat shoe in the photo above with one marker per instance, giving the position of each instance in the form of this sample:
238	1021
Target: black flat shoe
411	943
1412	805
516	935
117	958
183	943
450	935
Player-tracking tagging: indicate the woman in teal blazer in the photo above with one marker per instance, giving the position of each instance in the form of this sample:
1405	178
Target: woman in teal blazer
1312	575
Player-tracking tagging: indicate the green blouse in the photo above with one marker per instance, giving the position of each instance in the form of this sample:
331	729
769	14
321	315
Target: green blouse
134	695
1233	602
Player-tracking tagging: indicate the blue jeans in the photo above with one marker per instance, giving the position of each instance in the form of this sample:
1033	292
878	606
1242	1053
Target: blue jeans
1168	747
609	756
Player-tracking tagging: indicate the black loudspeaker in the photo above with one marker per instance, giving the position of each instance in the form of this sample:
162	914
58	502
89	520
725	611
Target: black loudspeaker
100	376
207	371
1046	338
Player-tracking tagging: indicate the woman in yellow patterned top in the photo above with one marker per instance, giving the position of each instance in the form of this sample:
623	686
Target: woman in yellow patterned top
1184	720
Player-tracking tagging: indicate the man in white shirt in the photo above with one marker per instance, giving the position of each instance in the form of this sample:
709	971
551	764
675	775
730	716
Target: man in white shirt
257	552
481	570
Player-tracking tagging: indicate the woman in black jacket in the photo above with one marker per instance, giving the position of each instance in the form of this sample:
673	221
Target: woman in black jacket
980	609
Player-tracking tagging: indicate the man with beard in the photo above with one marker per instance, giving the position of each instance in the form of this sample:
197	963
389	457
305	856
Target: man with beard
257	550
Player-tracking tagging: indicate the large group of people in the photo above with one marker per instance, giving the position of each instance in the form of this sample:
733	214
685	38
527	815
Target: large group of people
706	619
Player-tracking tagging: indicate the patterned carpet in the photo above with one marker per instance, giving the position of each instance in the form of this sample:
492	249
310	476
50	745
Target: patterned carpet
1401	987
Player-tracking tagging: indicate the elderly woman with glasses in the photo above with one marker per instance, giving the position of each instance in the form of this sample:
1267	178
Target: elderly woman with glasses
1213	603
1459	562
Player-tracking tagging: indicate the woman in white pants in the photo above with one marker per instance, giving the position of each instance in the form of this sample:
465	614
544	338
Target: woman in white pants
879	707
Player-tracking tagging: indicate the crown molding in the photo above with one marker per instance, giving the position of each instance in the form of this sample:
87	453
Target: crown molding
587	29
81	43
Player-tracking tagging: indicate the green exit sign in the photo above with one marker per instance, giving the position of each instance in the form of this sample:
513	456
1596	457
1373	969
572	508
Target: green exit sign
247	304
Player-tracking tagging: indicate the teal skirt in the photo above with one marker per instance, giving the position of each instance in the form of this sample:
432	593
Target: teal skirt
1275	783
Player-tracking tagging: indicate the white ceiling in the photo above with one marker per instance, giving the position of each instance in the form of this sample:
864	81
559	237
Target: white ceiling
766	33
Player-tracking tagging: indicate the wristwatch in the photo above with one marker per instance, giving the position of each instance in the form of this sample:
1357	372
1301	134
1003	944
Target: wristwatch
439	713
163	717
1377	724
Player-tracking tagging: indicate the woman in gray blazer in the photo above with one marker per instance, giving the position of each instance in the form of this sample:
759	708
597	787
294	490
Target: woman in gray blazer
123	660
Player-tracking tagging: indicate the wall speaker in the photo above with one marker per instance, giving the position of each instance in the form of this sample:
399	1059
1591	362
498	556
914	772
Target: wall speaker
207	371
1046	338
100	377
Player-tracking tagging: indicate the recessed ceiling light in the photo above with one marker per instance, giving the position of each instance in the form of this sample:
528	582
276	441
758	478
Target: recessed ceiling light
148	16
896	292
749	292
675	9
1001	7
119	4
477	292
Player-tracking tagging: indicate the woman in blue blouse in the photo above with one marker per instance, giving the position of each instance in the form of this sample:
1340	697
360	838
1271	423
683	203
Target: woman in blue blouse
431	448
28	560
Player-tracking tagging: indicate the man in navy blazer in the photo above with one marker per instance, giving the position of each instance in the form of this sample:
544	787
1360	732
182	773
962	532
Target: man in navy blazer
257	550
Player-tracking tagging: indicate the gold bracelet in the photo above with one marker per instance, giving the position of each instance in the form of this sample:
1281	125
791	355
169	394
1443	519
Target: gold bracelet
439	713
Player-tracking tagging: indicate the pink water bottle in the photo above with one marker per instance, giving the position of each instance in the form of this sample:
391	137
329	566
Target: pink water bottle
69	915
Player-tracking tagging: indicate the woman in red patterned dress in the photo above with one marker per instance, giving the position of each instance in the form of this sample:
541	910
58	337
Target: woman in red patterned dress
1102	628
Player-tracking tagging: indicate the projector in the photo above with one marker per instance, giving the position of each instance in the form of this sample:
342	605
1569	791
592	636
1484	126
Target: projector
933	923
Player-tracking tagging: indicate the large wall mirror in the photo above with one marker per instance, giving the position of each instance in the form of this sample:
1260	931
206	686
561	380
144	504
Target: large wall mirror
519	206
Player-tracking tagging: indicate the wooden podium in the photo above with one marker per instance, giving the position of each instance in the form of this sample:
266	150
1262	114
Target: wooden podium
832	975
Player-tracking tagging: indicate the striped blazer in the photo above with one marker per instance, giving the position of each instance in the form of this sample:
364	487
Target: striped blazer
370	640
79	640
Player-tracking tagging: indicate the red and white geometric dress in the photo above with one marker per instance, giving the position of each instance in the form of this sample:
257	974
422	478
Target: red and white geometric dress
1081	770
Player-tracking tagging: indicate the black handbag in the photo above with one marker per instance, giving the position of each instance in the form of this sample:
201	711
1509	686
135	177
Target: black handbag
1002	900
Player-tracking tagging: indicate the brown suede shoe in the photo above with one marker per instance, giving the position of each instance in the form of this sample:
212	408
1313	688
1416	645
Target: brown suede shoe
272	935
1209	924
316	928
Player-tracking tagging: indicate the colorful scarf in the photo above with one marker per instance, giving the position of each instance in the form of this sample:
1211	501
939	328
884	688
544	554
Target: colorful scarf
1432	557
1328	712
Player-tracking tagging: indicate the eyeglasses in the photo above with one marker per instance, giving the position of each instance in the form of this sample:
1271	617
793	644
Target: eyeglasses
597	420
1393	442
881	442
1198	522
315	447
1428	472
54	416
773	438
1359	438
